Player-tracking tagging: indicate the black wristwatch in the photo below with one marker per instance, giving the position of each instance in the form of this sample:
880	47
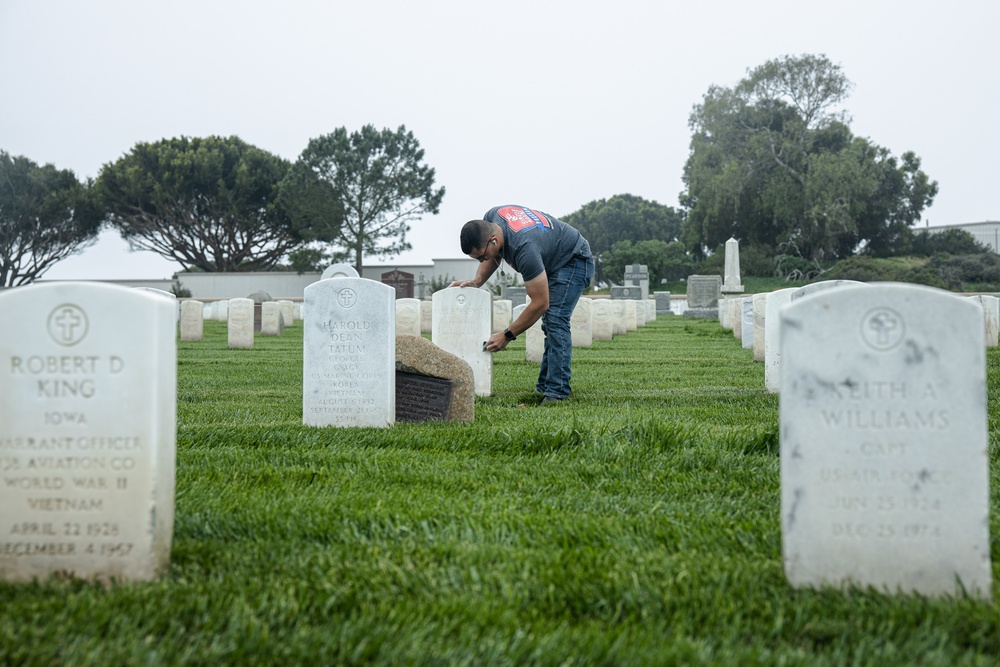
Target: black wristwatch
509	335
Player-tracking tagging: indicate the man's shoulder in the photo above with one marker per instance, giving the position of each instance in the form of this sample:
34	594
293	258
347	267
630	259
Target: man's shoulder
521	218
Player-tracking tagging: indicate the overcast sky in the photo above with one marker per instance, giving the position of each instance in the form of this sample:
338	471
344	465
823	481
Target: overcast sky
542	103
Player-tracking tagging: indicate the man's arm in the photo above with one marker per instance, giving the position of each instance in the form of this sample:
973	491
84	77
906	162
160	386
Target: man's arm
538	291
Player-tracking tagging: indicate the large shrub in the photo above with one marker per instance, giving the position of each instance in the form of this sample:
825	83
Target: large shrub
968	272
978	272
950	241
863	269
758	261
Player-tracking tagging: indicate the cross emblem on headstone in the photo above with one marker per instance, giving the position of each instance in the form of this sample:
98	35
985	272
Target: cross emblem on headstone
883	324
347	298
67	324
67	321
883	329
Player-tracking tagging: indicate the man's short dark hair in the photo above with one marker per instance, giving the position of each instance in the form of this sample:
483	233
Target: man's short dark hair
475	234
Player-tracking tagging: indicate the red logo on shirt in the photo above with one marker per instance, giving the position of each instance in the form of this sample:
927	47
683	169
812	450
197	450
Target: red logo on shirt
519	218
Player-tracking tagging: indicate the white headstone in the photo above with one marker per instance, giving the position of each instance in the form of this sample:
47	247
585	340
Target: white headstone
166	295
426	317
349	354
87	432
772	334
723	313
991	316
582	323
736	316
746	324
884	442
602	321
650	310
534	342
640	312
502	309
733	282
159	292
222	310
339	271
776	300
271	321
759	314
813	288
240	323
287	311
618	317
407	317
723	308
629	315
462	323
192	320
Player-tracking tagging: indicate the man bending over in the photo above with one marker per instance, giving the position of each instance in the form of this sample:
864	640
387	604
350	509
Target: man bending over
555	261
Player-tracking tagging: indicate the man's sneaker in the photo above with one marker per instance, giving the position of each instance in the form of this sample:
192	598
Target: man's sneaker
548	400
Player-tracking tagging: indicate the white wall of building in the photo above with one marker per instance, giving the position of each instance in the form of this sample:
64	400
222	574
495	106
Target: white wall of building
987	232
278	284
291	285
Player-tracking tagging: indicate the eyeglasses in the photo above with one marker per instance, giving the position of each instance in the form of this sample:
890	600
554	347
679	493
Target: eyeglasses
482	258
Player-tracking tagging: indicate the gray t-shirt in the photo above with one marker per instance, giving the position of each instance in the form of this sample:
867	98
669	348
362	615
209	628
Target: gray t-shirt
534	241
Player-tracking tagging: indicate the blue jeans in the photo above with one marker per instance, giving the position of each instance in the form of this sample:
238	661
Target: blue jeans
565	287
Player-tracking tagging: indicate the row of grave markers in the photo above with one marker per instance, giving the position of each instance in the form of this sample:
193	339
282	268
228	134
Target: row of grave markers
883	431
364	393
350	329
88	404
883	434
243	317
593	319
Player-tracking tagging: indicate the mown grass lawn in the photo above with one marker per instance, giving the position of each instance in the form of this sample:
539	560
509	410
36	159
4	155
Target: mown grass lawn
637	523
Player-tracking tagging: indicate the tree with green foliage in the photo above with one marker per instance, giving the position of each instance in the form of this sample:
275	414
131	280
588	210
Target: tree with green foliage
207	203
380	184
952	241
625	218
664	261
318	214
46	215
774	164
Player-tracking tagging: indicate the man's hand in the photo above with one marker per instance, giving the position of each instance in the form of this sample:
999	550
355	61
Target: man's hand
496	342
464	283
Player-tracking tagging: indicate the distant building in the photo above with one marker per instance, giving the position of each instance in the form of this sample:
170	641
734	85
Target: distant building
419	278
987	233
416	280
